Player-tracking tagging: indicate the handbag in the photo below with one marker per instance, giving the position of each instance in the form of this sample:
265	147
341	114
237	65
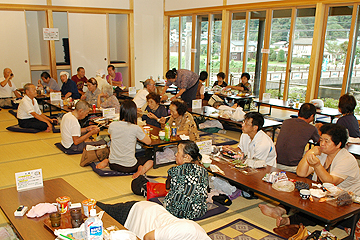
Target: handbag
154	190
94	152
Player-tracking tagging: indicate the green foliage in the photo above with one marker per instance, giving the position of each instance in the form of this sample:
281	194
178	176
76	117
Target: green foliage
281	56
301	60
272	56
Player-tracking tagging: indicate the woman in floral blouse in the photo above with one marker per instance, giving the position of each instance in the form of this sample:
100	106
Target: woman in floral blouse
184	120
188	183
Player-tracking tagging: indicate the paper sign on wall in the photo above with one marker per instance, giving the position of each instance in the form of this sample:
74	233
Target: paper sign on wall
51	33
132	90
55	96
205	147
108	112
29	180
265	50
197	103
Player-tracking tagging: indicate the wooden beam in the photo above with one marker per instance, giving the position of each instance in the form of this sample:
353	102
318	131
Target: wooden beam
52	51
208	52
131	49
193	43
246	41
166	53
265	56
289	56
225	40
316	53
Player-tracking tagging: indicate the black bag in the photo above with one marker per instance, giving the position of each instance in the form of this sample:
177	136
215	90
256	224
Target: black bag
138	185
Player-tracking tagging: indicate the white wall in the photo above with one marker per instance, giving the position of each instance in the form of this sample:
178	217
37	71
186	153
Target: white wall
61	22
148	38
121	4
37	2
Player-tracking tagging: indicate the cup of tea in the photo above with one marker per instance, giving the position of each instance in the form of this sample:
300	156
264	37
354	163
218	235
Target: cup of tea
304	194
55	219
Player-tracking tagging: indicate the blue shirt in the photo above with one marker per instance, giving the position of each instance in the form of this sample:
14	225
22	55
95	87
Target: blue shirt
70	86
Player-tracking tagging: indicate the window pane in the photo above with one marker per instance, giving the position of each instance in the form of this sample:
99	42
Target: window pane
201	43
300	61
333	64
174	42
255	44
186	29
354	76
215	47
279	41
236	47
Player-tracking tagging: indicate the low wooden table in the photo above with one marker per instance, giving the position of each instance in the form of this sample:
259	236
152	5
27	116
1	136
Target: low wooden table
268	124
330	112
34	228
157	143
324	212
66	108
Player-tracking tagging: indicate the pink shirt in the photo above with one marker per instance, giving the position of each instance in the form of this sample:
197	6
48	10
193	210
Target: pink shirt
118	77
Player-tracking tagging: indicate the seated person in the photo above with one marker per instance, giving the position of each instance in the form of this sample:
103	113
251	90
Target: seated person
7	88
101	79
187	183
154	110
183	119
73	137
220	80
29	114
347	104
329	163
244	86
114	78
68	89
201	88
140	97
294	135
124	134
255	143
49	82
80	79
151	221
91	96
107	99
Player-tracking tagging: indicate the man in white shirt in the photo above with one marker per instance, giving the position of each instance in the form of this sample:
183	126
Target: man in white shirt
29	114
255	143
7	88
72	135
140	98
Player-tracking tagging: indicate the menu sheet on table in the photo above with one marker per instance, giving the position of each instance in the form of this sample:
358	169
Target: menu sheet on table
29	180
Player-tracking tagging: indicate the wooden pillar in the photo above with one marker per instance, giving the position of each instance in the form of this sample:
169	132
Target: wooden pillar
316	53
225	42
52	52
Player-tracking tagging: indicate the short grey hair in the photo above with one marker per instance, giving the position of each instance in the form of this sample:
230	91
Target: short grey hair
82	104
107	89
147	82
27	86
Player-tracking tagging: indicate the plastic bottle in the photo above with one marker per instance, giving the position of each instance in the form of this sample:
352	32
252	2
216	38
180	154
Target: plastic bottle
167	132
94	227
45	90
173	130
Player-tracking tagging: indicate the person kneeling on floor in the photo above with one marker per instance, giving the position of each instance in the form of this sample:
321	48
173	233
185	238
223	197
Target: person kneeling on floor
74	137
29	114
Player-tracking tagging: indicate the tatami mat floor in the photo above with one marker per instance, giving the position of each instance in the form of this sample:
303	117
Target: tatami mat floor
27	151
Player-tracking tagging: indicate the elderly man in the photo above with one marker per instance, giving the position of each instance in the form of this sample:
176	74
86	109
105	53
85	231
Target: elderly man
294	136
68	89
114	78
29	114
7	88
80	79
140	98
72	135
49	82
